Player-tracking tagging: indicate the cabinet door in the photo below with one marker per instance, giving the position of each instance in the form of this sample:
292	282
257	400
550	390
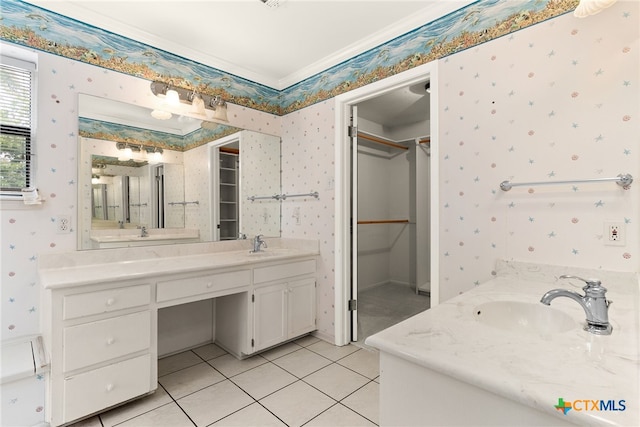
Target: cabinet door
269	316
301	307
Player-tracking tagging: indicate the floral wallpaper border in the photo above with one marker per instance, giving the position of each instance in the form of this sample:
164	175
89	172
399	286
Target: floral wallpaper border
106	131
485	20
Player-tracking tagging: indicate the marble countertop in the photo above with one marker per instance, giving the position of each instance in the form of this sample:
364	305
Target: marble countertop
79	268
532	369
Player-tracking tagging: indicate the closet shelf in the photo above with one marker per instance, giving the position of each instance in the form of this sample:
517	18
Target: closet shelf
381	141
385	221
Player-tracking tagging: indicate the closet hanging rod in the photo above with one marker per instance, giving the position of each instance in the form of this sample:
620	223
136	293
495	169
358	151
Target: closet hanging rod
426	140
622	180
385	221
381	141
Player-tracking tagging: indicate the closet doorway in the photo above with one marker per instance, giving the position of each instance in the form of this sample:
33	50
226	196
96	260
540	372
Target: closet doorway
390	156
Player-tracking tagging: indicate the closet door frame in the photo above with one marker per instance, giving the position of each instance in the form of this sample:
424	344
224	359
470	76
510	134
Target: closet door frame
343	217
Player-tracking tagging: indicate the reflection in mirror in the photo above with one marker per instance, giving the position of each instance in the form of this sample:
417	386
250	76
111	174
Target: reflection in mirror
145	181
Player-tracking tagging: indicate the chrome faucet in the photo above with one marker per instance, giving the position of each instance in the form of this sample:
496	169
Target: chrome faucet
594	303
143	231
258	243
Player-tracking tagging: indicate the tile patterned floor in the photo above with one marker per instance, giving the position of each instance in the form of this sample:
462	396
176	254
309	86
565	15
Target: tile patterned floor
308	382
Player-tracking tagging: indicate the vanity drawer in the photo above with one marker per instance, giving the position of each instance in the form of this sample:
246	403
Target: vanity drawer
181	288
89	303
100	341
283	271
95	390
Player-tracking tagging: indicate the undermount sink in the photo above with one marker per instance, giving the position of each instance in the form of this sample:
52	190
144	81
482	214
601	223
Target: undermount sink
524	317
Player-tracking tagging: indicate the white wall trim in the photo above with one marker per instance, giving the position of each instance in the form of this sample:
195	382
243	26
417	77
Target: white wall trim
343	105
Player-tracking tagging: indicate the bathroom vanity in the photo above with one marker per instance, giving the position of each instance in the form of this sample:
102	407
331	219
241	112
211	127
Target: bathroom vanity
496	356
100	311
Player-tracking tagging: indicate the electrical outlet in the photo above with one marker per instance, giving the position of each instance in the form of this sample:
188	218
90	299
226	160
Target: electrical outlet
63	224
614	233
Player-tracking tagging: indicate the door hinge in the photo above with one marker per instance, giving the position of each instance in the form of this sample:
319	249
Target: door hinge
353	131
253	297
353	305
252	343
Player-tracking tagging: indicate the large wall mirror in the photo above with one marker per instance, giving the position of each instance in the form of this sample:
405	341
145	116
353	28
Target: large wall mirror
146	181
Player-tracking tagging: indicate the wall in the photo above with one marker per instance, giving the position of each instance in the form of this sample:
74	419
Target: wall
27	232
308	165
556	101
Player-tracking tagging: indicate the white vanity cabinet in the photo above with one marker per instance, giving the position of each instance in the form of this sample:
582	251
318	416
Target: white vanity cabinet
101	339
284	303
100	319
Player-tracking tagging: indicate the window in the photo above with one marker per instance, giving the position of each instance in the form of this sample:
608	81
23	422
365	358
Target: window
16	124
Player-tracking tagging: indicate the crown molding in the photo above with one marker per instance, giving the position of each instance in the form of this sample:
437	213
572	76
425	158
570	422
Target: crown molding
430	13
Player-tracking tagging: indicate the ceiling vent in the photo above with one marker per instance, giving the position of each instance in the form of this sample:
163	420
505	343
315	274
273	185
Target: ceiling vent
272	3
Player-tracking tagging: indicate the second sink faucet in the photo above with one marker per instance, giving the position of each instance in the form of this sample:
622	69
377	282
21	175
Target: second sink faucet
258	243
143	231
594	302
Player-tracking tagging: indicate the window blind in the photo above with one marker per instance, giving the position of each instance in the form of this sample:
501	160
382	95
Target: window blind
16	123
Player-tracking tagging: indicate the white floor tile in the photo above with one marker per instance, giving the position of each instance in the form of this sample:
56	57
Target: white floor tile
230	366
302	362
364	362
307	340
339	416
170	364
263	380
169	415
89	422
365	401
331	351
214	403
336	381
135	408
209	351
252	415
297	403
189	380
280	351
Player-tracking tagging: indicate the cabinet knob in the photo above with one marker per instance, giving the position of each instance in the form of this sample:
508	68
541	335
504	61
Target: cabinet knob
109	387
110	301
110	340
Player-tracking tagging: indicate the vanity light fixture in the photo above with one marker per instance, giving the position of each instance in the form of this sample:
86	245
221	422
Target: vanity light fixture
200	102
154	155
143	153
197	105
125	152
161	114
591	7
172	97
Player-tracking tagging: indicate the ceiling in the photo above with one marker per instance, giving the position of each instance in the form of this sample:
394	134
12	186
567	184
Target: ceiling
274	46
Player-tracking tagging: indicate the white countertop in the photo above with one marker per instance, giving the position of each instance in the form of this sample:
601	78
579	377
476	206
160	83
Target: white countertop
133	235
531	369
97	266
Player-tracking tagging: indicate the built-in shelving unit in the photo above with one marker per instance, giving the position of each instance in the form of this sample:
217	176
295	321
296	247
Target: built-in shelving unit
228	225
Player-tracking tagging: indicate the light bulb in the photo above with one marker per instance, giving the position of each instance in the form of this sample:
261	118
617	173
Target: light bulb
198	106
173	98
161	115
125	154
